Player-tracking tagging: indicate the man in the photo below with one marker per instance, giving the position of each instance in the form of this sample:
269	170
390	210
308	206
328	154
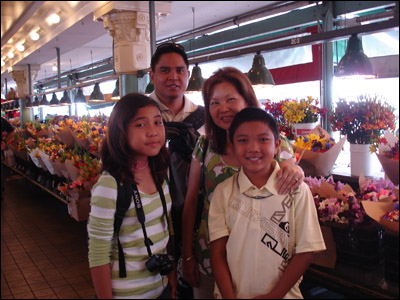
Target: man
184	122
170	77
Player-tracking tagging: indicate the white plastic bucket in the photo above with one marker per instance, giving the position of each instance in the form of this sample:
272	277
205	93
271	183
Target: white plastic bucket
300	129
360	160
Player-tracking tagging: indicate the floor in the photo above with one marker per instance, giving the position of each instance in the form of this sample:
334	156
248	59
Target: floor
43	250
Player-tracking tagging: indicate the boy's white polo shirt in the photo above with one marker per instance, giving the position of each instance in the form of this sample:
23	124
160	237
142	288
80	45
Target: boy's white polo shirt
258	244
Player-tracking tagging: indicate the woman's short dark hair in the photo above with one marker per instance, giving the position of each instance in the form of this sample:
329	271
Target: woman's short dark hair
215	134
253	114
116	155
165	49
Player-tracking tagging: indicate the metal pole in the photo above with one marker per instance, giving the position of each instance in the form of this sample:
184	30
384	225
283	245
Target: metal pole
152	27
58	68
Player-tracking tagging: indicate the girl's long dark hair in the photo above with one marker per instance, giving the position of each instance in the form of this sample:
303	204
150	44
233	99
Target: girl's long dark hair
215	134
116	155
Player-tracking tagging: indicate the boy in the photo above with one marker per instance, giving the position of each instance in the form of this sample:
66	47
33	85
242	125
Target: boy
261	242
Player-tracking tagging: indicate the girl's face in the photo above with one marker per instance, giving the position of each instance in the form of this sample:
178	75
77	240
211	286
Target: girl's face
146	133
225	103
255	147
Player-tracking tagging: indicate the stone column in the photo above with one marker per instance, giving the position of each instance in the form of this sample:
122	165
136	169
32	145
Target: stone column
128	23
21	77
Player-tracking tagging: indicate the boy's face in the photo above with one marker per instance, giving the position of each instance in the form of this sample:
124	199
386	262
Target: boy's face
255	147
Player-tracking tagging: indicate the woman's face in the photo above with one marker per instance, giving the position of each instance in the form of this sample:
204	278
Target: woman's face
225	103
145	132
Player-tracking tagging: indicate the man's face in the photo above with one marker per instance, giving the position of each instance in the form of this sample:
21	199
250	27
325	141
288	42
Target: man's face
170	77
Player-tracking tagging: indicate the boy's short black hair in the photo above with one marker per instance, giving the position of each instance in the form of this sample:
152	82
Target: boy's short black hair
168	48
253	114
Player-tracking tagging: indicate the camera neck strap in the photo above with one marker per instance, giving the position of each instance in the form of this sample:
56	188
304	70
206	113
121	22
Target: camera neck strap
141	215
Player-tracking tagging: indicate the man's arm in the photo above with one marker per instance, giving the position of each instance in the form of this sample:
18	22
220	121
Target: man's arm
220	267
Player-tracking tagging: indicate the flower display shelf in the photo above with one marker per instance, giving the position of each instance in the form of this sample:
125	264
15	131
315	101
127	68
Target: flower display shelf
391	250
360	246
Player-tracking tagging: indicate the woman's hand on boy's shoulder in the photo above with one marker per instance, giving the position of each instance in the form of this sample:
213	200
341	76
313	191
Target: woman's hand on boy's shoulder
290	177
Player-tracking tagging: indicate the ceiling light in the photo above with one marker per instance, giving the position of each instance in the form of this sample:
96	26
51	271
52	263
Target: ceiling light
96	95
115	94
20	47
65	99
3	63
259	74
54	100
54	68
80	97
196	80
10	54
34	35
35	101
28	103
53	19
44	101
149	89
355	63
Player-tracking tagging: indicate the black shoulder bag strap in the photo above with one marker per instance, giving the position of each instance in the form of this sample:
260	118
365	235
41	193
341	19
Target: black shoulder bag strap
202	192
123	202
196	118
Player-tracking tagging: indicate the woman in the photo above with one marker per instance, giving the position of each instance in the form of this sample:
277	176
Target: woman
225	93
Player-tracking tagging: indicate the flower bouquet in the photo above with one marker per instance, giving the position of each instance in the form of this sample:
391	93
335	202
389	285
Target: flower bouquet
78	198
364	120
275	109
65	134
318	152
381	202
303	112
389	156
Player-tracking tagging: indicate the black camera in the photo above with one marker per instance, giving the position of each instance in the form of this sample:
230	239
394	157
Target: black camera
162	263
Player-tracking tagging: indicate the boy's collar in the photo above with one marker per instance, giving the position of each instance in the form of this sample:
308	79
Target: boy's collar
245	184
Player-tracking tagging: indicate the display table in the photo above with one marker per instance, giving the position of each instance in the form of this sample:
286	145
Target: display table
353	282
37	184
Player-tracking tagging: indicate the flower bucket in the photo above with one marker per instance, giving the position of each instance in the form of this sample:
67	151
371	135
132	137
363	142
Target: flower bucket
360	160
300	129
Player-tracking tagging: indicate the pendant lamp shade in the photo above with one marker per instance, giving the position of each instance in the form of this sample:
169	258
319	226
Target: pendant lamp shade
35	101
44	101
65	100
196	80
355	63
149	88
80	97
259	74
28	103
54	100
115	94
96	95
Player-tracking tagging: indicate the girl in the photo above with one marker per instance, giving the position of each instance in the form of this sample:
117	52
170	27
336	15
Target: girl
225	93
133	151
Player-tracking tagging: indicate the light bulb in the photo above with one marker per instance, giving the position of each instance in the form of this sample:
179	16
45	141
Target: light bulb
54	19
21	47
34	35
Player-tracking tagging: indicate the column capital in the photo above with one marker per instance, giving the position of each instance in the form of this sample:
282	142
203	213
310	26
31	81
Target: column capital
21	76
128	23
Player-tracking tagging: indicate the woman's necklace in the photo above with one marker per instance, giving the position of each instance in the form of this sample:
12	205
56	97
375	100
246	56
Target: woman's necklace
139	167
